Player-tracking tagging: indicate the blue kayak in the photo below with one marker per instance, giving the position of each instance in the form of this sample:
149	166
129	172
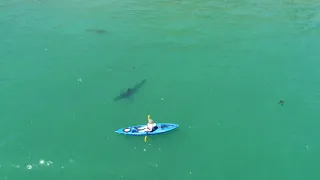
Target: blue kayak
139	129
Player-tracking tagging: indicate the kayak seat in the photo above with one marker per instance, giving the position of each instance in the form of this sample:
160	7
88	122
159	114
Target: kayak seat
155	128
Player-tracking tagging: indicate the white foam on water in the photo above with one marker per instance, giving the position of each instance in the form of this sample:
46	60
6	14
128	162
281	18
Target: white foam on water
41	163
29	166
16	166
71	161
79	80
49	163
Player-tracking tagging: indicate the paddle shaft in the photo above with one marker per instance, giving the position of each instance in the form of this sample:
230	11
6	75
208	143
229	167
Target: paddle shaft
145	138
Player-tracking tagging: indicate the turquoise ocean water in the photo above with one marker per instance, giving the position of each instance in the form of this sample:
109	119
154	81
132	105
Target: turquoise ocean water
216	68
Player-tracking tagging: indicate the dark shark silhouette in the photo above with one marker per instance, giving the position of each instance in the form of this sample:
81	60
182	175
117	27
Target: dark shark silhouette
130	91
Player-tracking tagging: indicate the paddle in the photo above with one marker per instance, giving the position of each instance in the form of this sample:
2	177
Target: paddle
146	137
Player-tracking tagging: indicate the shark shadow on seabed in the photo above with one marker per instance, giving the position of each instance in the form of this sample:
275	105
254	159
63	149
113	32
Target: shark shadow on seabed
130	91
97	31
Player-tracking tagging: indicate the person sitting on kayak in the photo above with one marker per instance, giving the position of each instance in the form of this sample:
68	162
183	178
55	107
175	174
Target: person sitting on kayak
151	126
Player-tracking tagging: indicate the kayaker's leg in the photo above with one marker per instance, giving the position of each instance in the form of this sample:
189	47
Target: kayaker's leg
142	128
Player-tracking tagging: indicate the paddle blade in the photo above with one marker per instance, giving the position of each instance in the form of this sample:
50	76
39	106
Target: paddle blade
148	117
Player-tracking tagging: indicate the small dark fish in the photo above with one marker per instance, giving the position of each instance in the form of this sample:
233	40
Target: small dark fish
98	31
130	91
281	102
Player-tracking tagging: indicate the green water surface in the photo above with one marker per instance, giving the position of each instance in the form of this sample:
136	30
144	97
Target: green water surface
216	68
